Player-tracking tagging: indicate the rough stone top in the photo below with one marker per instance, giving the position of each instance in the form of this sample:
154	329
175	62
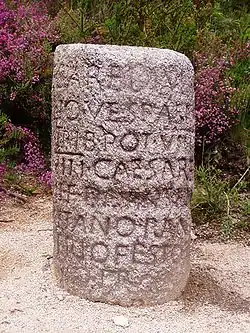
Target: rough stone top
155	55
120	104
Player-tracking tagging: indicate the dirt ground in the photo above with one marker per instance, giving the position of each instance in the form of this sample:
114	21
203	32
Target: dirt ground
216	299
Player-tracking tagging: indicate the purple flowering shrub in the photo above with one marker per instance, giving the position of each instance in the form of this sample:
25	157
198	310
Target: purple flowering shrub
33	159
45	178
26	36
213	92
25	32
2	172
20	152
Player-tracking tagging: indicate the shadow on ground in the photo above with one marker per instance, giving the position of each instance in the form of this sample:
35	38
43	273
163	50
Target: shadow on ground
10	263
204	289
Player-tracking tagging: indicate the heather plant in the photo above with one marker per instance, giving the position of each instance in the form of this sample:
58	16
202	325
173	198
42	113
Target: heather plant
2	172
20	153
32	157
221	104
26	38
213	110
46	178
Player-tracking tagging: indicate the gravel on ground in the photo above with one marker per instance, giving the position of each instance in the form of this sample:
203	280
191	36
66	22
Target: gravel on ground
216	299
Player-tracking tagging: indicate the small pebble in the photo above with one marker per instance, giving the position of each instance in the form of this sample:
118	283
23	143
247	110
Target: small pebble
193	236
60	297
121	321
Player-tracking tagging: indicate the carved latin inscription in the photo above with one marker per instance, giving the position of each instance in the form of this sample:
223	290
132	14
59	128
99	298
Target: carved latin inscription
123	140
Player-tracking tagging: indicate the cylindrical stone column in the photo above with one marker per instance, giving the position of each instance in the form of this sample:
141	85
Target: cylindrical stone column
122	159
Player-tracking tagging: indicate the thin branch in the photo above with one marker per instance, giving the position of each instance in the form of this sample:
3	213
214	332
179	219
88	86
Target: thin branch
242	177
228	204
6	221
68	13
13	194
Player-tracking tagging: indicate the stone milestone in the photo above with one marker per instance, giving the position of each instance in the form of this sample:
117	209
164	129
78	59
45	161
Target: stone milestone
122	160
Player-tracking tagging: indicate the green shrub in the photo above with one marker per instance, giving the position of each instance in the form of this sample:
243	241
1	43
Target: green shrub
209	198
9	141
158	23
240	74
216	201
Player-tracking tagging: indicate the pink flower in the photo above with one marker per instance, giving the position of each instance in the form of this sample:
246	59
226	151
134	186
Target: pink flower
214	114
35	79
12	96
46	178
2	171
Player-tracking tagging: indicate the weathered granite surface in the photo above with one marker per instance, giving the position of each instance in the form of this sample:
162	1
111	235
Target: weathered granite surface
122	160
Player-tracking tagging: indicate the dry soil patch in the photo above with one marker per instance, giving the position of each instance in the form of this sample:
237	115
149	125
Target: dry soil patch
217	297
